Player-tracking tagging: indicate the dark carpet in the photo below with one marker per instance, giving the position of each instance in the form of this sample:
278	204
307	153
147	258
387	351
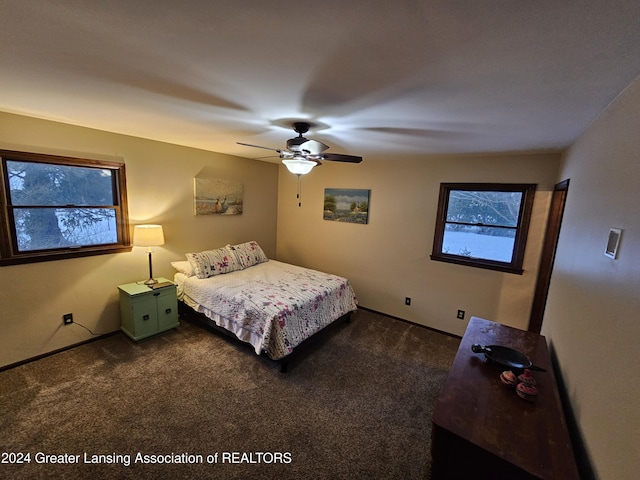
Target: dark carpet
355	404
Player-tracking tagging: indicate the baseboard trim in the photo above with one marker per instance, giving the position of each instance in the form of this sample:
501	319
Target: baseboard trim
410	322
69	347
54	352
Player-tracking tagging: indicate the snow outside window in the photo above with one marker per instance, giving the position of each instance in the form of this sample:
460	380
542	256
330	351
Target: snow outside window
483	225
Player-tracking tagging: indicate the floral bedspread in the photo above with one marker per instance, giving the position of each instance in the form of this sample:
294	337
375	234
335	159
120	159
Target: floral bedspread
274	306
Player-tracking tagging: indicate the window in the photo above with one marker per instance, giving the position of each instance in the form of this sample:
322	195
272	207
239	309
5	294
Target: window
56	207
483	225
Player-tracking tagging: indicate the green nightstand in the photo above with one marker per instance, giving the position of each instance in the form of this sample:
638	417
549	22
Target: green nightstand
145	311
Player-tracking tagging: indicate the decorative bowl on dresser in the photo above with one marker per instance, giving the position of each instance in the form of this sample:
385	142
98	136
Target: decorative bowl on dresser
482	429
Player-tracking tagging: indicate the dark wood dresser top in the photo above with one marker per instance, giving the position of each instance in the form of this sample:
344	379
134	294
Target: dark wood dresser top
475	406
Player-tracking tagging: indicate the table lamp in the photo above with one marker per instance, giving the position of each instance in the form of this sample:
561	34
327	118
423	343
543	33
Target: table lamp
148	236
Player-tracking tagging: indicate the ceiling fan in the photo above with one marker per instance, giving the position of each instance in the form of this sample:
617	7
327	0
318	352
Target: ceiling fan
302	154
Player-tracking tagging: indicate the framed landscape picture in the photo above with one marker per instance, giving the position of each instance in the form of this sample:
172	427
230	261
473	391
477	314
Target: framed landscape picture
217	197
346	205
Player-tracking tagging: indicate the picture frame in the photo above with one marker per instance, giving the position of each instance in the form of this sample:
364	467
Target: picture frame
613	241
349	205
217	197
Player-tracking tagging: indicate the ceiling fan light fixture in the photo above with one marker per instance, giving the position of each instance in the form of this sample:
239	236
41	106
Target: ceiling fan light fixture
302	154
299	166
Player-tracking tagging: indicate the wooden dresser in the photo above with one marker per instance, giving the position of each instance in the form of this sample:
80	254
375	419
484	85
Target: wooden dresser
483	429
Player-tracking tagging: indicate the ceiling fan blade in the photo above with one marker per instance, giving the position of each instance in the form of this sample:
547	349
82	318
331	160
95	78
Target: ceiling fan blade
258	146
313	147
301	144
337	157
301	148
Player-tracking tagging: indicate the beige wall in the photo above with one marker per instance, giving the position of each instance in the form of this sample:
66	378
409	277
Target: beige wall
592	312
388	259
591	317
34	297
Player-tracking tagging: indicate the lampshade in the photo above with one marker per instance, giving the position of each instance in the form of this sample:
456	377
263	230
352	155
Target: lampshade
148	235
299	166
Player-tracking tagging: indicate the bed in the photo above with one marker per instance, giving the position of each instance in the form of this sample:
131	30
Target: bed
271	305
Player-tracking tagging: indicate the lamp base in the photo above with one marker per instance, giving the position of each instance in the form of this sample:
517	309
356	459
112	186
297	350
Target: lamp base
151	281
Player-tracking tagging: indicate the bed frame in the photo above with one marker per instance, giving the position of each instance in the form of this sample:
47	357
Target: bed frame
189	314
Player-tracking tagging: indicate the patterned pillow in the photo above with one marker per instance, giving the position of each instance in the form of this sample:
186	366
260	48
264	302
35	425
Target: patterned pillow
249	254
213	262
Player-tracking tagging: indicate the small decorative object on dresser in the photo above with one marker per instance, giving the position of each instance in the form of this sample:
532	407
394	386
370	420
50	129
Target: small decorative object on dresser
482	430
147	311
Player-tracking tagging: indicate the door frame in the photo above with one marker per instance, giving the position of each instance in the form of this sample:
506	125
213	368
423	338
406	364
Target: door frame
548	255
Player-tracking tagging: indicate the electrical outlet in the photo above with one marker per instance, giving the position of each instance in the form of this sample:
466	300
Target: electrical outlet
461	314
407	300
67	318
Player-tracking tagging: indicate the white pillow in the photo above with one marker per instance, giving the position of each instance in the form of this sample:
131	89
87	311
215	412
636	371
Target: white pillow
183	266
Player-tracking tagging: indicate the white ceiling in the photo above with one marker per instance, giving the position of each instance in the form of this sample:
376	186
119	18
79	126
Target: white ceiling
410	76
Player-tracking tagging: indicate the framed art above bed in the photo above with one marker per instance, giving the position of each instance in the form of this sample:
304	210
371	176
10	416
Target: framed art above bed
217	197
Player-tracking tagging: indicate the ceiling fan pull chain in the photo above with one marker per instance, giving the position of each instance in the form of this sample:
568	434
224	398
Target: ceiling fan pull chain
299	193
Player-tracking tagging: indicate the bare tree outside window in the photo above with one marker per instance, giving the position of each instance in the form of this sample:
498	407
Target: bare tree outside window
483	225
59	207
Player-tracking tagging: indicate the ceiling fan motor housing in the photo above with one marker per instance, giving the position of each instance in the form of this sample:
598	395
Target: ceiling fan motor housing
294	144
301	149
301	127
